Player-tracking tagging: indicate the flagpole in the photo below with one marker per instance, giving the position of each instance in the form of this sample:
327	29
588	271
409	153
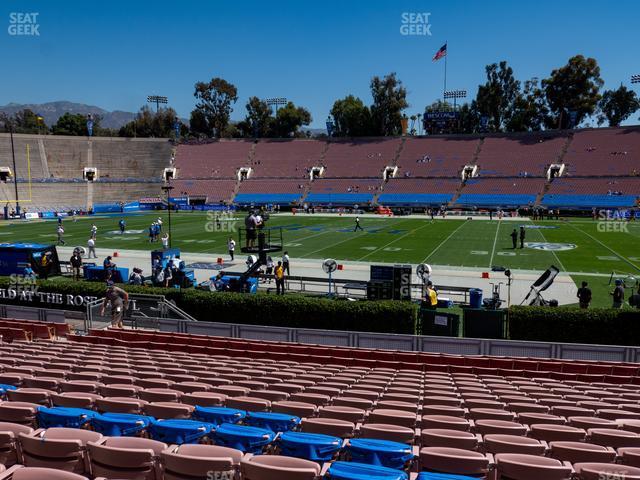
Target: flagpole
445	68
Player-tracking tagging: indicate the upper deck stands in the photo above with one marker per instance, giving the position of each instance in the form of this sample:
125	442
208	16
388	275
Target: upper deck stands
220	159
607	151
359	158
436	157
519	155
286	158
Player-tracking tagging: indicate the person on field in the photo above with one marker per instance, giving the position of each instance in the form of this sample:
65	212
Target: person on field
119	301
286	262
91	244
60	232
358	226
522	236
122	226
231	246
618	295
279	277
584	295
514	238
76	264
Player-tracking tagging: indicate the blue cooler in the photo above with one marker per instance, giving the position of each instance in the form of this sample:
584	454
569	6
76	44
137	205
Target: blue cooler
246	439
218	415
179	431
276	422
63	417
475	298
380	452
120	424
362	471
310	446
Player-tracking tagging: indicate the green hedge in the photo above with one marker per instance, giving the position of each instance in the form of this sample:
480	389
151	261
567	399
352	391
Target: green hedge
575	325
285	310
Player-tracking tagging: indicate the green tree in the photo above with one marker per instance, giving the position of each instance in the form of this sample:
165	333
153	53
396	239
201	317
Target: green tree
151	124
74	124
198	125
289	119
496	98
214	101
258	120
23	121
617	105
572	88
389	100
529	109
352	118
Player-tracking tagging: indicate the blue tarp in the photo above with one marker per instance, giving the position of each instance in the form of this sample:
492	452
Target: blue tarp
179	431
310	446
120	424
276	422
63	417
380	452
246	439
361	471
218	415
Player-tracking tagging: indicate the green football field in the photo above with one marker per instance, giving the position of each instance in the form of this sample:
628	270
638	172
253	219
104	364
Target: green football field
585	248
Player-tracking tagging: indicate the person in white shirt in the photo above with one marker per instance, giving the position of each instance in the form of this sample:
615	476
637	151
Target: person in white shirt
165	241
159	222
285	262
91	243
231	244
94	231
61	235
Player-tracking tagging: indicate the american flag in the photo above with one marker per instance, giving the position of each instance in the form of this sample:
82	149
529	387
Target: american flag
440	53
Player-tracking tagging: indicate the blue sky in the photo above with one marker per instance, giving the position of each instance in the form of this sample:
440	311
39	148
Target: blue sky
114	53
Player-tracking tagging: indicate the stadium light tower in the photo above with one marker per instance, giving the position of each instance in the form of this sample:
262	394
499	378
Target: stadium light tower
8	123
157	99
455	94
635	78
167	189
276	101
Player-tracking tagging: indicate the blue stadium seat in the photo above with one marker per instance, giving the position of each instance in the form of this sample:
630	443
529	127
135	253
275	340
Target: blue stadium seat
414	198
362	471
63	417
266	198
120	424
276	422
340	198
482	199
179	431
246	439
380	452
589	201
218	415
310	446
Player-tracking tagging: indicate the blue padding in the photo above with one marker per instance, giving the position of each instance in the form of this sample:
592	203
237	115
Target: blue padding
340	198
179	431
63	417
218	415
380	452
120	424
588	201
310	446
442	476
276	422
486	199
414	198
266	198
246	439
4	388
362	471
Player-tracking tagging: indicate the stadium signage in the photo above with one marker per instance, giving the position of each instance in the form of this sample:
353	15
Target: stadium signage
550	247
29	294
441	115
23	24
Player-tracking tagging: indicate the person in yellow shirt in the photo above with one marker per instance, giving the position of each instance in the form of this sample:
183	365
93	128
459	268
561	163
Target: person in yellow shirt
431	297
279	276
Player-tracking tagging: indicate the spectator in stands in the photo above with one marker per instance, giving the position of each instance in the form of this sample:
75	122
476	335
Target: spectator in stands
618	295
119	301
584	295
431	296
76	264
279	278
91	245
231	246
285	262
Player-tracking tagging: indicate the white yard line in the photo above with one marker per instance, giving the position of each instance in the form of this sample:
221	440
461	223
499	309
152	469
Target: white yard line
444	241
495	242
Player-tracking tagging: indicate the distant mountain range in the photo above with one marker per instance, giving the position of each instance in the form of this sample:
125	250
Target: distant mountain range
51	111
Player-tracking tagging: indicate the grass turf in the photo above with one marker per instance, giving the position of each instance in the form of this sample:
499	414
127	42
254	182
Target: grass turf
592	253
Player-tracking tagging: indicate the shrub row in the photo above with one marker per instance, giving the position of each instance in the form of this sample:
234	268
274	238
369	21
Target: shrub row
575	325
262	309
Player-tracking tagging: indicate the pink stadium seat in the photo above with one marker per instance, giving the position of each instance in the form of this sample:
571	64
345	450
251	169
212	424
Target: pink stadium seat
514	466
275	467
186	462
